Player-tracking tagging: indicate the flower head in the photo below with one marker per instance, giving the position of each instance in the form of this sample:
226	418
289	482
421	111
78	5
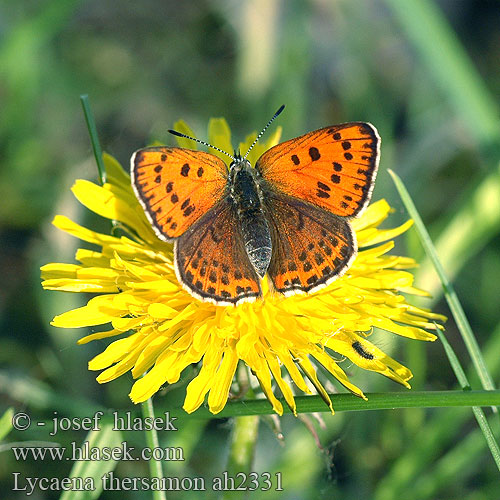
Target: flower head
159	329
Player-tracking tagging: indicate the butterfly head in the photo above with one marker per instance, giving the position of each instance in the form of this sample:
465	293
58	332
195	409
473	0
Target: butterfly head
239	163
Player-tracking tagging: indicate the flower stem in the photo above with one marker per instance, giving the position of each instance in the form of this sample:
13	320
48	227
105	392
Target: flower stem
155	466
94	139
244	438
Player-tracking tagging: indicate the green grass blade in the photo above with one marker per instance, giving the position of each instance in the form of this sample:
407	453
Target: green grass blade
478	412
450	295
349	402
488	434
94	139
454	362
6	422
155	466
94	469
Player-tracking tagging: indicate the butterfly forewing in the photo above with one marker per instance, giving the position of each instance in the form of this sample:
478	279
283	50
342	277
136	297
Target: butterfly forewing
176	186
333	168
211	260
311	247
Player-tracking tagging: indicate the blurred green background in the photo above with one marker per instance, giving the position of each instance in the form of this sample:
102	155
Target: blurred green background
425	73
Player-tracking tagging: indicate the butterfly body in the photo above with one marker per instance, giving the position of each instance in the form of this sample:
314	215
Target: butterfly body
247	197
287	217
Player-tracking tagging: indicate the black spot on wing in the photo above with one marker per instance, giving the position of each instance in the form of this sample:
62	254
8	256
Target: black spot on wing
189	210
185	170
314	154
312	279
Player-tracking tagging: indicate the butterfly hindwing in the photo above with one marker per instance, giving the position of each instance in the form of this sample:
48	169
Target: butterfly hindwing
211	261
333	168
311	247
176	186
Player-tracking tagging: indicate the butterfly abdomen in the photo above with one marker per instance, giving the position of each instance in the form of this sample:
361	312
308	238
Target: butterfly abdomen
246	198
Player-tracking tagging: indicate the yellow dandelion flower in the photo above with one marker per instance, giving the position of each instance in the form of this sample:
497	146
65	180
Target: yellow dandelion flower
160	329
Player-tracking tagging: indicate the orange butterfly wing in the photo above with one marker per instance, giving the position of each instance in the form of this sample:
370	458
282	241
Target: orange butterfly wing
333	168
211	261
311	247
176	186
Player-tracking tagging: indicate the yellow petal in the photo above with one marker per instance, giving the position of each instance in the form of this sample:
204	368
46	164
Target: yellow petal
182	127
284	387
103	202
222	381
202	383
81	232
114	352
72	285
387	234
310	372
374	215
98	311
115	174
99	336
219	135
59	270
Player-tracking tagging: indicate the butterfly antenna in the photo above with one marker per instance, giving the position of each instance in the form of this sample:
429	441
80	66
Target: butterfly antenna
282	107
179	134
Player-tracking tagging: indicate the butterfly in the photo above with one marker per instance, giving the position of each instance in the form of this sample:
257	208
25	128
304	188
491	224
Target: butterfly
288	217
